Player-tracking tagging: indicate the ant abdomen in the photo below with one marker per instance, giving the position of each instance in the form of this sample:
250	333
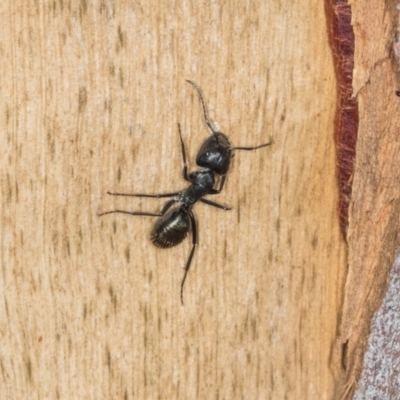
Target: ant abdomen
171	229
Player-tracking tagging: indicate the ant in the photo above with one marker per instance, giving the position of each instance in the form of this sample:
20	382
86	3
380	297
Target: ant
175	223
173	226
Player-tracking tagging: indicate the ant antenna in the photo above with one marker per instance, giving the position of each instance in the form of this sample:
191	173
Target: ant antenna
204	107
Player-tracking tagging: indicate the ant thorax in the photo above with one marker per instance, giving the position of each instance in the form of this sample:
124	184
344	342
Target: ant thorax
204	177
202	182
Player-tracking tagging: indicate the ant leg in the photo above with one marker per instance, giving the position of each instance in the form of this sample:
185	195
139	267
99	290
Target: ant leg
158	196
160	214
194	244
211	203
251	148
184	172
221	185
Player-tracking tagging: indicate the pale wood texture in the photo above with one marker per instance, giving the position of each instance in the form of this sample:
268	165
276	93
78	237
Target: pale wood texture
91	96
375	205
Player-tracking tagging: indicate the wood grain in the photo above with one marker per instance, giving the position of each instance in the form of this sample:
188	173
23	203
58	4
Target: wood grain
91	96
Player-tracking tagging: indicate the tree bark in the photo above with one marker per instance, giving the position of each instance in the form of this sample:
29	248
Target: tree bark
91	96
374	206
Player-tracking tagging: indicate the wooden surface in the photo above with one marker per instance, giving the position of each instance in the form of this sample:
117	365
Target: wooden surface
91	96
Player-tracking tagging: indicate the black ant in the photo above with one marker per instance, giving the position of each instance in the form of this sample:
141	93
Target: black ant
174	224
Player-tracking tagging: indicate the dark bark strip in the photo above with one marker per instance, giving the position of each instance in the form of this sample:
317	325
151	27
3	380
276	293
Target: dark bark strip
341	38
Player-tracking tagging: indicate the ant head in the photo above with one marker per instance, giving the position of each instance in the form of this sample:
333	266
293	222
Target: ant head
215	154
